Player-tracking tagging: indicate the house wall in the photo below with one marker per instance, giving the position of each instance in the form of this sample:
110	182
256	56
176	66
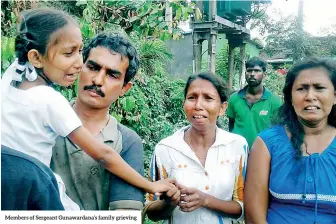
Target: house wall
252	50
182	51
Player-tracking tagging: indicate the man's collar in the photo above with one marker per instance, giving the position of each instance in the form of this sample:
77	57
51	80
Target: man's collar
109	133
266	93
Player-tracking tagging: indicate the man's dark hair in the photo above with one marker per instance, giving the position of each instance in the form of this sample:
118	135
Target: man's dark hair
117	43
256	61
36	28
286	115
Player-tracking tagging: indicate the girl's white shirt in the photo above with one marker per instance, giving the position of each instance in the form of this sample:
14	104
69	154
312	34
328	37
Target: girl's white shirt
32	119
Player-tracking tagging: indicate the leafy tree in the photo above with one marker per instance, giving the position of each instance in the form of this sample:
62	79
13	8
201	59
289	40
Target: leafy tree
282	35
274	81
145	17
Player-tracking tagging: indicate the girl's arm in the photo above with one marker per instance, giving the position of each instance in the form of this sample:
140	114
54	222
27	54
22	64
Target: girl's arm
112	161
256	186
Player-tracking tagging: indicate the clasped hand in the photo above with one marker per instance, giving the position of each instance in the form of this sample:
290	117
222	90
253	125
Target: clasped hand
187	198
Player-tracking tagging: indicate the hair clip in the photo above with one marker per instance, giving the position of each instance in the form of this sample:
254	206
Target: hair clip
18	66
31	74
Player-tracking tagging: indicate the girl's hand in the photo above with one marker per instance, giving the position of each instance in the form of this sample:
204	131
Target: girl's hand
161	186
172	197
191	199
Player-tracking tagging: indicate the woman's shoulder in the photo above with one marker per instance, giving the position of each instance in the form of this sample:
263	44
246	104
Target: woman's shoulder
273	131
273	137
172	141
230	141
226	137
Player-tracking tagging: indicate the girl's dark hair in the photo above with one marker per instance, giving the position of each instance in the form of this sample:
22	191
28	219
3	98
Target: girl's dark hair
36	28
286	115
215	80
117	43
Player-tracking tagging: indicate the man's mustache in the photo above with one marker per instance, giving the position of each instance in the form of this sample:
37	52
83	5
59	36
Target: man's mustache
96	88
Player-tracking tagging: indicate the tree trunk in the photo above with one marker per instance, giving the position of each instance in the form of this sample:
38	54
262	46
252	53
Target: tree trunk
231	65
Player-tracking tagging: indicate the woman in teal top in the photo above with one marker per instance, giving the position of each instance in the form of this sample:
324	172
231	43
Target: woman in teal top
291	172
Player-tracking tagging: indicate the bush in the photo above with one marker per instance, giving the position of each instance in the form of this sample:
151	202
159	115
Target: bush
275	82
152	108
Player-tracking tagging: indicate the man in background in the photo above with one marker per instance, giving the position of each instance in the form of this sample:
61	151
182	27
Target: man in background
250	109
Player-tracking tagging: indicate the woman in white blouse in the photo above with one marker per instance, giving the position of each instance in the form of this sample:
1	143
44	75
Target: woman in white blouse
207	162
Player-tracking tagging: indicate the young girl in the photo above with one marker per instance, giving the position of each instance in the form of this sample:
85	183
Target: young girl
48	49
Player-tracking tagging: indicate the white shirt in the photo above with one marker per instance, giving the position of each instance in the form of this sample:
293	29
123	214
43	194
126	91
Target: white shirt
33	118
222	176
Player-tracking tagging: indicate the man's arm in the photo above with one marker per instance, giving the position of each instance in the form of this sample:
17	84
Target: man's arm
48	196
231	124
27	183
230	113
123	195
163	208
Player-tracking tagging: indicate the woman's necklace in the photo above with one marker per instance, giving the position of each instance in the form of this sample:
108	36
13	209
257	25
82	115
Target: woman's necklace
306	147
190	145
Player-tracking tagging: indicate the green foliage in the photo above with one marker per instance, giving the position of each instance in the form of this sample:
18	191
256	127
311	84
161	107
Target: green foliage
148	221
7	52
153	107
222	61
154	55
145	17
222	58
275	82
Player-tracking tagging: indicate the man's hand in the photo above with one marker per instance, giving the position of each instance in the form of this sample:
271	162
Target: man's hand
191	199
163	208
172	197
161	186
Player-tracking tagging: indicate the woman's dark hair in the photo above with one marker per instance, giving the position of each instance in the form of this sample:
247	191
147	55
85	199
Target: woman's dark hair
36	28
117	43
215	80
286	114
